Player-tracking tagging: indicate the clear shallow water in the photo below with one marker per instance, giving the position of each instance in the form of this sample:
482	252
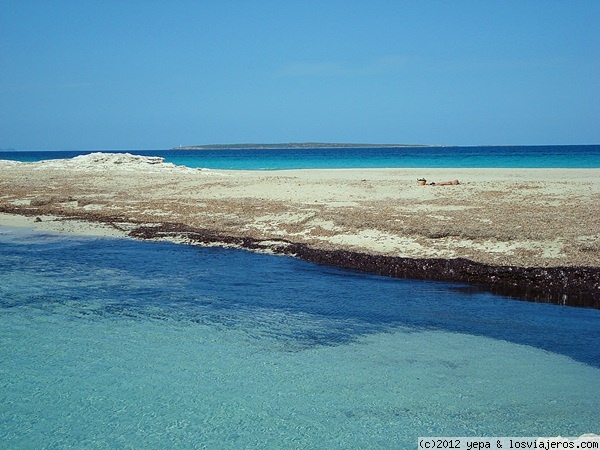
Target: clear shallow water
123	344
573	156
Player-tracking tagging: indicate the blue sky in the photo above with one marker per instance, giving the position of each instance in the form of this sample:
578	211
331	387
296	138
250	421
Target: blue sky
133	74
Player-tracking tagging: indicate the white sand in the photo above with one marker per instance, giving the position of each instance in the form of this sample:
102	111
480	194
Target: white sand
55	224
528	217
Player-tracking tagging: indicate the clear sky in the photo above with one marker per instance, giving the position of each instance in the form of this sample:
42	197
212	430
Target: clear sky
155	74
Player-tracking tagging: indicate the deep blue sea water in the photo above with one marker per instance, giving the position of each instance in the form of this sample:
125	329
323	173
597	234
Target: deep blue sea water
572	156
115	343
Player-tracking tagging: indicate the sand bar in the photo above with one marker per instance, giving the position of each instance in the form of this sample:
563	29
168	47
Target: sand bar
523	218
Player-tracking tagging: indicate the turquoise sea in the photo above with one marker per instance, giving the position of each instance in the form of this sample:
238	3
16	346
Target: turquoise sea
562	156
116	343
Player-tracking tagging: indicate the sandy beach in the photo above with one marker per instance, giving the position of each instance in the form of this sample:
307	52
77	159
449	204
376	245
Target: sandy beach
525	218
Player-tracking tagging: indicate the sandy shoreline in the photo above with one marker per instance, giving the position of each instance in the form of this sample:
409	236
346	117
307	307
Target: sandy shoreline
522	218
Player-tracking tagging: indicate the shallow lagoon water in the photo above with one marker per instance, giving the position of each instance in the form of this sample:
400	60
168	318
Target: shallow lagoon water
114	343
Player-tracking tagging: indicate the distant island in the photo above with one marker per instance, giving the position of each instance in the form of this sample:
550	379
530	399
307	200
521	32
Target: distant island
290	146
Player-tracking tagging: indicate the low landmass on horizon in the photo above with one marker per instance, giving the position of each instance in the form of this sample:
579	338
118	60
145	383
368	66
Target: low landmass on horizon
290	145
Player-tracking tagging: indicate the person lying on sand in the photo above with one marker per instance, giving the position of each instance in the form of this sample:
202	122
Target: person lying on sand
422	182
443	183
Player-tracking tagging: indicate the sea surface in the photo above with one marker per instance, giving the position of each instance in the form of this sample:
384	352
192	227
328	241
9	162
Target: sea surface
115	343
565	156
